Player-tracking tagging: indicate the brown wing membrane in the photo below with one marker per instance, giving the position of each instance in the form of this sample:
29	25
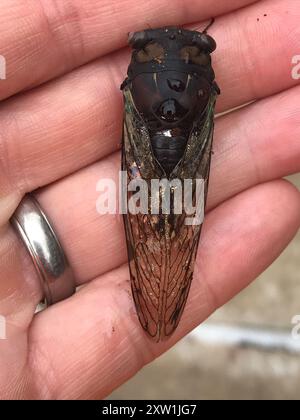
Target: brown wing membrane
162	248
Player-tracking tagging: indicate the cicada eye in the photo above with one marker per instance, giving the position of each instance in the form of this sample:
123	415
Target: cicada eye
138	40
205	42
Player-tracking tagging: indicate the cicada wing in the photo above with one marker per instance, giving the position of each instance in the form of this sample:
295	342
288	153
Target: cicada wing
184	244
162	248
143	239
196	161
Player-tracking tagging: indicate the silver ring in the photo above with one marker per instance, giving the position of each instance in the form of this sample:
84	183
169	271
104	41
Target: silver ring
45	249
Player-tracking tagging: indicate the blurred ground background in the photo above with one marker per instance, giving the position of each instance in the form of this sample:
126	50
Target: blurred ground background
198	368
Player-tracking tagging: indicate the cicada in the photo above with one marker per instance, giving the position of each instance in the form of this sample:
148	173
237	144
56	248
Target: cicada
169	95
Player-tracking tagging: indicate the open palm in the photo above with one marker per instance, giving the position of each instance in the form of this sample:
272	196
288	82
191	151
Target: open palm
61	119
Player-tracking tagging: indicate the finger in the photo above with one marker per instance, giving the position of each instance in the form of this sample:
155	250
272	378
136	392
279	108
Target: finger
55	37
19	286
248	71
20	292
256	144
77	119
100	323
253	145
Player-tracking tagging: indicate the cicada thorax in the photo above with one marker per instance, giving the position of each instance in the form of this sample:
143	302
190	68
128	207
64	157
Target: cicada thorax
169	108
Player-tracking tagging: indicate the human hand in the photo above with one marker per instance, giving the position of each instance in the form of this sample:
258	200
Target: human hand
61	118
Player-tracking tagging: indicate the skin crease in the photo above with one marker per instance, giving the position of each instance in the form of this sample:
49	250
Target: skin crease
63	135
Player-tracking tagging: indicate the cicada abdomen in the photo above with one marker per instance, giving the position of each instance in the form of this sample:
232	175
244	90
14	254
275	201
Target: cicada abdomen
169	96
